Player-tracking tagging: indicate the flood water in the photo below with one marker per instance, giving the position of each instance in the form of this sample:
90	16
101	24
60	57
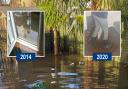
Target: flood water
65	72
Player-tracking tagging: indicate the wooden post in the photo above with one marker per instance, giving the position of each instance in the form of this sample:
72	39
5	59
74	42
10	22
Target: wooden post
55	42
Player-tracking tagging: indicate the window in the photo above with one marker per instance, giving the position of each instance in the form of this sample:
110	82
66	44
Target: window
27	26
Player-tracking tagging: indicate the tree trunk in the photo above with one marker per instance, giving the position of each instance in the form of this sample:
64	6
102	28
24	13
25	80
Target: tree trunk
56	42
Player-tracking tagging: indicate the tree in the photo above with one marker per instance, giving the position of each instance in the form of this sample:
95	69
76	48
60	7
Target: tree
59	16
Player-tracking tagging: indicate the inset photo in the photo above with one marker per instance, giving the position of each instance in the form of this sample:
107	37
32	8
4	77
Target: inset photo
102	32
25	33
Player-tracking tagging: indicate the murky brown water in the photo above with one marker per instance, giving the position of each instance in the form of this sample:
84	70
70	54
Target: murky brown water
65	72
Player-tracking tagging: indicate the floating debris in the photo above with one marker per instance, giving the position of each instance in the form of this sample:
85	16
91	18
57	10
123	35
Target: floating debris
67	74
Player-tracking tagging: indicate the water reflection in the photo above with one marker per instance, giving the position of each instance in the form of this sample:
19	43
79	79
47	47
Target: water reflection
64	72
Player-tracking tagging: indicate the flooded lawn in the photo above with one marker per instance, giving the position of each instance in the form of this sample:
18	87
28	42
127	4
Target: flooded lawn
65	72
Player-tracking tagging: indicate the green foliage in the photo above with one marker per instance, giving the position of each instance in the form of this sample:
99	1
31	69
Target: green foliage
66	17
124	17
48	7
53	15
124	8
